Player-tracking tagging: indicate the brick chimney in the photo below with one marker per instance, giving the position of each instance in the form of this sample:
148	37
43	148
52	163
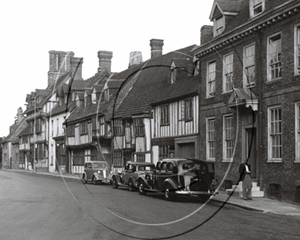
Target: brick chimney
76	68
105	60
20	115
206	33
156	47
59	63
135	58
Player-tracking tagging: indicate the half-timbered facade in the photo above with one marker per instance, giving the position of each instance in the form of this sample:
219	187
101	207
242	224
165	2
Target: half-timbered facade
133	115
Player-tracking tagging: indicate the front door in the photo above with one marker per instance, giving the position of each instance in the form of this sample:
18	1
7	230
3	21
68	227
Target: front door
251	150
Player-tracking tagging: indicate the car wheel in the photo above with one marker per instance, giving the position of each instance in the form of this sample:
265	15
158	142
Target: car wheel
141	187
114	183
84	179
169	193
94	181
130	185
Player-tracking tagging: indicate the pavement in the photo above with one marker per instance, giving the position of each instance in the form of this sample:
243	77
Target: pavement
259	204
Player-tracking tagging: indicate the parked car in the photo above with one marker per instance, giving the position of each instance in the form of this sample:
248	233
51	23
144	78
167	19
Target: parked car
129	176
179	177
96	172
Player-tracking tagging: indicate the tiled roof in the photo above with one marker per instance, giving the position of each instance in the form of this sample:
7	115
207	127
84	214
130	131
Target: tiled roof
152	84
13	136
99	76
64	108
114	83
25	131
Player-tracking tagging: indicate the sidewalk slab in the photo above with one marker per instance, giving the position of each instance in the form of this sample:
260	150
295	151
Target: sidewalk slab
260	204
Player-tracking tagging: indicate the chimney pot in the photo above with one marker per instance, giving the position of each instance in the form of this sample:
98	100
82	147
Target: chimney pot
156	47
135	58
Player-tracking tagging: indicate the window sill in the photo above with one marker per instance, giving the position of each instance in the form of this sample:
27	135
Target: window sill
211	160
297	161
274	161
273	81
209	96
227	160
296	75
223	93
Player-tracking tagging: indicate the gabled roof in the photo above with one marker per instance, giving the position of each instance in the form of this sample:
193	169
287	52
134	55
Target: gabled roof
64	108
13	136
99	76
152	84
225	7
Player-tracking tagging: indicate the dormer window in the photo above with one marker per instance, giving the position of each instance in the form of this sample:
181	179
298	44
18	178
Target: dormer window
219	25
197	67
256	7
106	95
173	75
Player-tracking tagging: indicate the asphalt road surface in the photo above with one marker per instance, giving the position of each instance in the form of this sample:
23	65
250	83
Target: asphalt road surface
44	207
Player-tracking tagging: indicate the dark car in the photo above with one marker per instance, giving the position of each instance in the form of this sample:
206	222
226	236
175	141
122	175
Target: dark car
129	176
179	177
96	172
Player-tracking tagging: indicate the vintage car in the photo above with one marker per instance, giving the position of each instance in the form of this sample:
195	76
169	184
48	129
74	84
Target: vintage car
180	177
129	176
96	172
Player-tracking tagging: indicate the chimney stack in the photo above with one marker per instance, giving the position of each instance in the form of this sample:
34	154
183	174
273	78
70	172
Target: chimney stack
156	47
59	63
135	58
105	60
206	33
76	67
20	115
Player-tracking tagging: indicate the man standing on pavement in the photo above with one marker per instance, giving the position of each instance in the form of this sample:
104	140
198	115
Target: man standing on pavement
245	177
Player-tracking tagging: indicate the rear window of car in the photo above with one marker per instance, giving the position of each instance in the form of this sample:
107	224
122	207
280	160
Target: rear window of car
194	166
99	165
145	168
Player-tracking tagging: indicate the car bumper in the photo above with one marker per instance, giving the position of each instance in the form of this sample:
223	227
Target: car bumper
184	192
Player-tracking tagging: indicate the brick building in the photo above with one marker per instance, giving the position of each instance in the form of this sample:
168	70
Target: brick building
250	93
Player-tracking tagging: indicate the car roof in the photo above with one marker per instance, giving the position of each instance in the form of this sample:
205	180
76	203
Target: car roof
95	162
140	163
176	161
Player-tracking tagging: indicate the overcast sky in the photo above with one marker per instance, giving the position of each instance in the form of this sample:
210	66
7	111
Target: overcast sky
29	29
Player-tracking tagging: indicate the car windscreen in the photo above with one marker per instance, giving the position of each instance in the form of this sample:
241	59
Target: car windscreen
100	165
146	168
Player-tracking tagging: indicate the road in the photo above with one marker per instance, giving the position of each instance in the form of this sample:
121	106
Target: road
42	207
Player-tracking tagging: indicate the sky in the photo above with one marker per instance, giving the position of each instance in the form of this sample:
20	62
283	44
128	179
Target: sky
31	28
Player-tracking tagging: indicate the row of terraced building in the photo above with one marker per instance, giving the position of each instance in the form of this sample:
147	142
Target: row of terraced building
235	96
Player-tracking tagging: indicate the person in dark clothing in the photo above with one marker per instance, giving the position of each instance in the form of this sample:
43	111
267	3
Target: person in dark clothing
245	177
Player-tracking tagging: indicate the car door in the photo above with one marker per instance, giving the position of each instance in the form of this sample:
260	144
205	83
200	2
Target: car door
162	175
130	171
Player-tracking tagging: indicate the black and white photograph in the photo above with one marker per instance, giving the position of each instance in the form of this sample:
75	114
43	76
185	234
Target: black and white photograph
150	120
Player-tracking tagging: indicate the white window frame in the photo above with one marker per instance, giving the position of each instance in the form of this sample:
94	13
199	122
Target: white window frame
226	147
270	132
210	142
269	69
254	4
227	72
208	92
297	132
297	49
249	79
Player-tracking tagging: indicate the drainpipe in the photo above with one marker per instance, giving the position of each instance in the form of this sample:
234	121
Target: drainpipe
260	110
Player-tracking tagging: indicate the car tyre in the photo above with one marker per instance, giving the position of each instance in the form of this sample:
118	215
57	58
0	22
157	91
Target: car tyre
130	185
141	187
114	183
84	179
169	193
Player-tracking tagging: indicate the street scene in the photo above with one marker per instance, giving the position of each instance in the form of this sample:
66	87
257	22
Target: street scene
202	141
58	208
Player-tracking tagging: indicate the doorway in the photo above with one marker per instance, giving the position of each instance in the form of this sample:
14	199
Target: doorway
250	150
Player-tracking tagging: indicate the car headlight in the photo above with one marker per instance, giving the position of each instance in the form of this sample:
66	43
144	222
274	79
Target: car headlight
99	172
